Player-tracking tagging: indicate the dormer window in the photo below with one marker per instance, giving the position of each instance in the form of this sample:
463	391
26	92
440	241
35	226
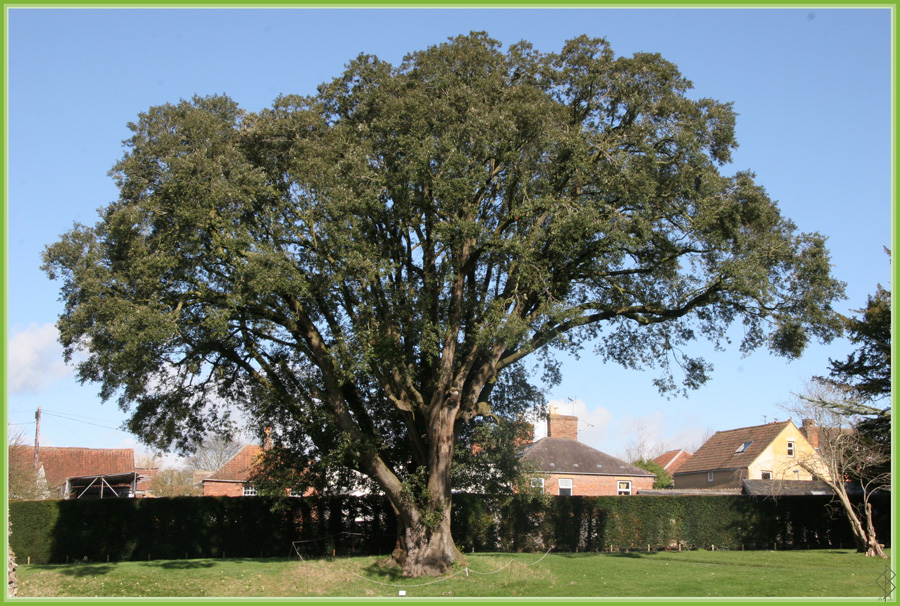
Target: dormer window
743	447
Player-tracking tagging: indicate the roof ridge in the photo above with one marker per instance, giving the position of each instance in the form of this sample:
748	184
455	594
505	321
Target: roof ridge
74	448
772	424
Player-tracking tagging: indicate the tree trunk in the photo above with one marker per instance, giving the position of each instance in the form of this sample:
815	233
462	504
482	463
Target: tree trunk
425	550
873	548
863	534
424	543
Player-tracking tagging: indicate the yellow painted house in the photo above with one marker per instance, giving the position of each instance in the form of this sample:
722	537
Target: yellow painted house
774	451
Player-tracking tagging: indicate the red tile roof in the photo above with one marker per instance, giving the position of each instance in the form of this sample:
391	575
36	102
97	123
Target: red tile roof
240	467
61	463
672	460
719	450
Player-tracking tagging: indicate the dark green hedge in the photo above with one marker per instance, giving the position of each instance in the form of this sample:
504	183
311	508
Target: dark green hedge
198	527
203	527
661	522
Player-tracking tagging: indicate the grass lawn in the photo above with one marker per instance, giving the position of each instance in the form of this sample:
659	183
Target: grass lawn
817	574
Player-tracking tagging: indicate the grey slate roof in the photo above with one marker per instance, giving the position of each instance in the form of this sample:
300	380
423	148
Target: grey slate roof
561	455
774	488
689	492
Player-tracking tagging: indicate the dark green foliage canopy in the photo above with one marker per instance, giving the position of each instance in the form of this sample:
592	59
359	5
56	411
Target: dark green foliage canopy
663	477
868	369
866	373
357	267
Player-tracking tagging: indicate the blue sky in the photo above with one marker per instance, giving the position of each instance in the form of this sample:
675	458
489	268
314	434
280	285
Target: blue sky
812	87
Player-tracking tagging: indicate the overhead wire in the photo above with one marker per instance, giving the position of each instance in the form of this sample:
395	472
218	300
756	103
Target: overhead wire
69	418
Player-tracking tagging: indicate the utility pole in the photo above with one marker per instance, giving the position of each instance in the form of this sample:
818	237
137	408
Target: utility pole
37	437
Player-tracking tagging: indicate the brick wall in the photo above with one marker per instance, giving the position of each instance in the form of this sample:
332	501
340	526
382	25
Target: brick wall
223	489
562	426
595	486
730	478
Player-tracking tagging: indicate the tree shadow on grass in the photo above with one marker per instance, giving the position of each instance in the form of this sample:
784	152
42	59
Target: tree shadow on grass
615	554
85	570
202	562
389	573
385	571
180	564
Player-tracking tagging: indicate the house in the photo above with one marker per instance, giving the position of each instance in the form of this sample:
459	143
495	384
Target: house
672	460
774	451
145	480
565	466
74	473
234	478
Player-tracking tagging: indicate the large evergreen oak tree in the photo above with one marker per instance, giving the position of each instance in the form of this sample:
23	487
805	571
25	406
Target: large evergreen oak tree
362	264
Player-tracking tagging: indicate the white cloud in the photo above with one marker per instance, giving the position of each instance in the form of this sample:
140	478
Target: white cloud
651	435
623	435
593	424
36	359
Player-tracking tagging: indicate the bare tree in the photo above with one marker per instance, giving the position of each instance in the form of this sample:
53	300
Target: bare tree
25	483
149	461
644	447
174	483
698	442
213	453
638	447
845	459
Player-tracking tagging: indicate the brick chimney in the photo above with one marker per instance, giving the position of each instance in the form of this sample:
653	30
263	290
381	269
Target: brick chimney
810	432
562	426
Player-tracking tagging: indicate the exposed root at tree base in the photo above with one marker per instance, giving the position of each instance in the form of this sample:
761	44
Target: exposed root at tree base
422	567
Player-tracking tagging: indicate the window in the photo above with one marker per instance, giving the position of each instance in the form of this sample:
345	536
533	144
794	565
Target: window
538	483
295	492
249	490
766	475
709	476
790	449
743	447
565	487
624	487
